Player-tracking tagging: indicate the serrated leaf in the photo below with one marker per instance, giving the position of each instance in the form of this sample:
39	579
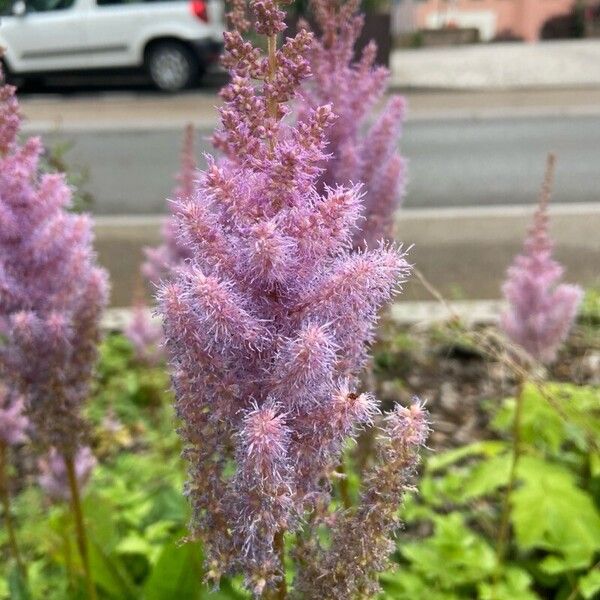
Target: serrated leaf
453	556
550	512
406	585
487	477
514	585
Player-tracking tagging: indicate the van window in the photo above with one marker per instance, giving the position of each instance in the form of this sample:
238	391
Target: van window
127	2
48	5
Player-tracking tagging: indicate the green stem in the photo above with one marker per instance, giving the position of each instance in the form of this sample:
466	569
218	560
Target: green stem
343	486
67	552
279	545
503	531
280	592
80	526
10	528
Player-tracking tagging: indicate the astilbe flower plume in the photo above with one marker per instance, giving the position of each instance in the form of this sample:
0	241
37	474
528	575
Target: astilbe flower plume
358	151
267	324
52	476
13	421
145	335
348	567
540	310
52	292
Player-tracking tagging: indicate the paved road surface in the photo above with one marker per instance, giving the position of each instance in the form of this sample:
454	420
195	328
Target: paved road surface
453	161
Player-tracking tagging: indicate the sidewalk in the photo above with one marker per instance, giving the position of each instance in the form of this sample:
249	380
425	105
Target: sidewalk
556	64
462	252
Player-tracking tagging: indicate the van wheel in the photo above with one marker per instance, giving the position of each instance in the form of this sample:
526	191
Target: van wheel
6	75
171	66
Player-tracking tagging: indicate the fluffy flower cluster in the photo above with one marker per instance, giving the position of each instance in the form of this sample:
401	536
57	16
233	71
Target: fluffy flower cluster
348	569
13	422
540	310
267	324
52	292
53	478
358	152
160	261
145	335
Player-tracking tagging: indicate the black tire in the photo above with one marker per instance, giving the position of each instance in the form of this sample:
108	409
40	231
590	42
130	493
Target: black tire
6	76
172	66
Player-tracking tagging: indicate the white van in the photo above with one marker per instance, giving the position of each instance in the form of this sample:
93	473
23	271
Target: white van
173	40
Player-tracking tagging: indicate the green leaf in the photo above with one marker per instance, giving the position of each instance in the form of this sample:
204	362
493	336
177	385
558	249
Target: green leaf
453	556
406	585
17	586
554	415
483	448
595	464
176	573
4	591
487	477
541	424
514	585
553	565
102	525
134	544
589	585
478	478
110	575
550	512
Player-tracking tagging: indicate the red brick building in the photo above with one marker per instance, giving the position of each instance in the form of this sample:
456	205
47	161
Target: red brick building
523	19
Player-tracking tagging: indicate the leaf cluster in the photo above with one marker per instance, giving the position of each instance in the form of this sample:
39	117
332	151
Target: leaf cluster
554	517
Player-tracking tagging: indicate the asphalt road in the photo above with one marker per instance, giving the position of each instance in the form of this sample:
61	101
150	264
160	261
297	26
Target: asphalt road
453	162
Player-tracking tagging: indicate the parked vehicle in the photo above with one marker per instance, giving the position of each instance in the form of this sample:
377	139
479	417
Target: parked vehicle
174	41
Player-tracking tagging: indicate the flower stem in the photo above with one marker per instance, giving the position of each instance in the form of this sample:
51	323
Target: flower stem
280	592
279	545
79	526
343	486
272	104
272	57
67	552
503	531
10	528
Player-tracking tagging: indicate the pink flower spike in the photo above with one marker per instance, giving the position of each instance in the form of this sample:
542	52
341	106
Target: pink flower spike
53	291
540	310
353	88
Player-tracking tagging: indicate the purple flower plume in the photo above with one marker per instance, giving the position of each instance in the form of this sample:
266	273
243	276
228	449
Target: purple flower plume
13	422
540	310
357	152
52	291
53	477
361	538
145	335
267	325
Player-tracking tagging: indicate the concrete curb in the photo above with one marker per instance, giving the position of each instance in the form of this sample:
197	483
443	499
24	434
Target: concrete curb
426	312
464	252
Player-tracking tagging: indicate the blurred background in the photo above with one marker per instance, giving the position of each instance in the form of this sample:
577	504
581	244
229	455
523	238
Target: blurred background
492	87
